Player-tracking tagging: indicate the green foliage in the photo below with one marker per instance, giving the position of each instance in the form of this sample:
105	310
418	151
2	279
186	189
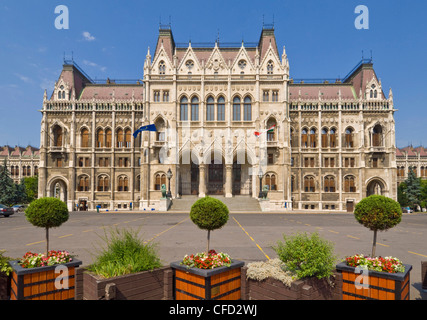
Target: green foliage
378	212
5	267
7	186
125	253
31	188
209	213
402	197
47	212
307	256
413	189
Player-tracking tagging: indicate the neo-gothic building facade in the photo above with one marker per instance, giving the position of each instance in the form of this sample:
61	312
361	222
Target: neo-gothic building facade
329	145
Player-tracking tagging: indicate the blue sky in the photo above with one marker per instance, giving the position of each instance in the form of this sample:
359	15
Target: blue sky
111	38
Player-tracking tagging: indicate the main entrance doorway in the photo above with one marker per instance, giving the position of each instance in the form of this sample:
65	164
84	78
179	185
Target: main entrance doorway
215	178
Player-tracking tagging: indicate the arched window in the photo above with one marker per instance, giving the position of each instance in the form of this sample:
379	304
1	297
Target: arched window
236	109
120	138
304	138
247	109
183	109
83	183
161	128
271	134
162	67
128	138
159	179
103	183
349	184
329	184
293	185
123	184
270	181
108	138
270	67
221	109
195	109
85	138
313	140
57	136
377	136
324	138
100	138
36	170
348	140
332	138
210	109
138	183
309	184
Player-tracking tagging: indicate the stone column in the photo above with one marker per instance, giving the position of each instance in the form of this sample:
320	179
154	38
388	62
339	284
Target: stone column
202	180
228	182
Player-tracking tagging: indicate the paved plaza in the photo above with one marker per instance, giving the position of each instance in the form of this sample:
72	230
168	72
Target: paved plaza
246	236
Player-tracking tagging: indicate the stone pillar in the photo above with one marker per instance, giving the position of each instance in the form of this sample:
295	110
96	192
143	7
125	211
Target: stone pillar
202	180
228	182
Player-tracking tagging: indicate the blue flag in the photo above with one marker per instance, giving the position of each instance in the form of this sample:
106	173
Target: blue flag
150	127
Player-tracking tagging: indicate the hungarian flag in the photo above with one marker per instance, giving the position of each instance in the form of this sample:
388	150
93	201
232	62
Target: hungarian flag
150	127
271	129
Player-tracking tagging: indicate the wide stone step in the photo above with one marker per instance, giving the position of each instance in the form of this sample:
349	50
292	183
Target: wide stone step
236	203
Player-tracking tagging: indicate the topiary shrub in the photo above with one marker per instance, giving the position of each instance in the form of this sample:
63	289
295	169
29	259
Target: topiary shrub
378	212
307	256
47	213
209	214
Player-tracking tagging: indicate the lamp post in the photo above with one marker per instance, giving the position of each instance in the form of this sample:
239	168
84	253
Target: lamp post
169	176
260	175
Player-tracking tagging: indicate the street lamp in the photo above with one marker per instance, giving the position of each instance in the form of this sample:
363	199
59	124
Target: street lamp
260	175
169	176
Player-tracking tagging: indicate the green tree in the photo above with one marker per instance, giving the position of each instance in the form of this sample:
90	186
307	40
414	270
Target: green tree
209	214
47	213
402	197
413	189
378	212
423	194
7	186
31	188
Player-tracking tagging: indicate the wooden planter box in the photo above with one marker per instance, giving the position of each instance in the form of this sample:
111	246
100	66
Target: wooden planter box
306	289
379	286
222	283
424	275
145	285
39	283
4	286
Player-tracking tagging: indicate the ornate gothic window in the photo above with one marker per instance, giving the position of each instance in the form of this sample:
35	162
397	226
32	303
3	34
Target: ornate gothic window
183	114
210	109
270	181
195	109
123	184
159	179
100	138
120	138
329	184
247	109
242	64
309	184
103	183
57	136
85	138
270	67
83	184
236	109
348	138
349	184
377	136
162	67
221	109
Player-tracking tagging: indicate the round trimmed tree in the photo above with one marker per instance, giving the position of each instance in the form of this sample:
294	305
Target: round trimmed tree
47	213
209	214
378	213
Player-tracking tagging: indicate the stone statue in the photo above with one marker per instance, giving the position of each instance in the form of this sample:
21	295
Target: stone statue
265	191
163	191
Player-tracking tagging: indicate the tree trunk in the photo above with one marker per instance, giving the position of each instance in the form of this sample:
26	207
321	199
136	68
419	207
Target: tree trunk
47	241
209	236
374	245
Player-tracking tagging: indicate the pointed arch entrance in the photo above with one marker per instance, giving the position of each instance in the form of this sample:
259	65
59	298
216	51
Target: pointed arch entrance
375	186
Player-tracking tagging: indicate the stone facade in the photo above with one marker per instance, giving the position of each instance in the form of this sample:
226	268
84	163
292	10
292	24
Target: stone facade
21	162
329	145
